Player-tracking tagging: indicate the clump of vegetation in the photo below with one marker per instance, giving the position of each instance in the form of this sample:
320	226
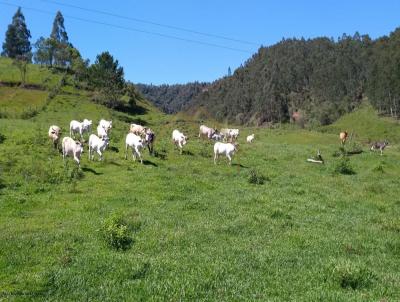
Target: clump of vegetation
115	232
352	275
379	168
256	177
344	167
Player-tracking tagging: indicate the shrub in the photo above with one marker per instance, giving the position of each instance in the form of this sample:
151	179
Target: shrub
29	113
352	275
116	233
343	167
256	177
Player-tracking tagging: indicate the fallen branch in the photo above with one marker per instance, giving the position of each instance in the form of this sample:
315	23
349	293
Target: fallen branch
315	161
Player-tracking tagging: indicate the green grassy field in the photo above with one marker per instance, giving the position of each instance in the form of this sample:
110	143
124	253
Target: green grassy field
198	231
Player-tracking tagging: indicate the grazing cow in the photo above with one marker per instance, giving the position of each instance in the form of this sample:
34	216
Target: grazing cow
97	144
137	129
79	127
343	137
379	146
250	138
107	125
54	135
149	140
206	131
224	148
72	148
101	131
136	143
179	139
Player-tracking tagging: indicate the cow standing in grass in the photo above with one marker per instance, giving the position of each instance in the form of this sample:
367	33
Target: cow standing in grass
136	143
224	148
79	127
54	135
343	137
72	148
379	146
97	144
179	139
206	131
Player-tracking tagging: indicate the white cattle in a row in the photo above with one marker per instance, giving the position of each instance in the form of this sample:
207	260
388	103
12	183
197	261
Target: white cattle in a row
54	134
97	144
206	131
79	127
72	148
230	133
136	143
179	139
250	138
224	148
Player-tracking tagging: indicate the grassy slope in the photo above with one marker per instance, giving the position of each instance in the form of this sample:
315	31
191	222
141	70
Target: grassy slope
202	232
367	125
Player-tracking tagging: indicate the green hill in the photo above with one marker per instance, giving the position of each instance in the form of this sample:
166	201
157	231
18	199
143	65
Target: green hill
191	230
367	125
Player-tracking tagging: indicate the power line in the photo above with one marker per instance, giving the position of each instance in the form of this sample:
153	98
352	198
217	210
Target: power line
151	22
131	29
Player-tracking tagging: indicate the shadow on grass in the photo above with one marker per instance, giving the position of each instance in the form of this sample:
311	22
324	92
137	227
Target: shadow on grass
239	165
149	163
113	149
185	152
85	169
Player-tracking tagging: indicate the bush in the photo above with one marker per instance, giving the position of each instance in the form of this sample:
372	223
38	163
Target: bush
116	233
343	167
256	178
351	275
29	113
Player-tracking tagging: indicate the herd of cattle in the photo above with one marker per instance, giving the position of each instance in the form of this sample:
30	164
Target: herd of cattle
138	138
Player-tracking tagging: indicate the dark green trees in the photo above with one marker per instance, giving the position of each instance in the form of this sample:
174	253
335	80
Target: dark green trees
55	50
107	77
17	43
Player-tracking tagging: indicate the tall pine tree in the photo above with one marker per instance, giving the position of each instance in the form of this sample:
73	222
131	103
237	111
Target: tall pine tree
17	44
59	42
58	31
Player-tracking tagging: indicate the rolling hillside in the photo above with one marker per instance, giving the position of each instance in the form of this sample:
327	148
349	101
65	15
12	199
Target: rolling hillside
194	231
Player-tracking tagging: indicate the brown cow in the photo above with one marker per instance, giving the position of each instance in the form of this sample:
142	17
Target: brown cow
343	137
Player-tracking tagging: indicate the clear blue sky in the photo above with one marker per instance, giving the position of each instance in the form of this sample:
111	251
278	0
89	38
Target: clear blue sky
153	59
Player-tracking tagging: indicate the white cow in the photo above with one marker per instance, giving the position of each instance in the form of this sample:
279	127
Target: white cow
107	125
234	133
137	129
206	131
136	143
224	148
97	144
179	139
101	131
79	127
72	148
54	135
250	138
230	133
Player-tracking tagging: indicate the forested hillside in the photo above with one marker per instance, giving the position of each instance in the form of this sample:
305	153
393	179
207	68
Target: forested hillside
172	98
317	80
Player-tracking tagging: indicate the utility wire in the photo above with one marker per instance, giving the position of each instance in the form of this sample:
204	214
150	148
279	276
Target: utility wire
131	29
151	22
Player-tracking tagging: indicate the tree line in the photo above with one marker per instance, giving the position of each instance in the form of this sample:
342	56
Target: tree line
105	77
172	98
312	81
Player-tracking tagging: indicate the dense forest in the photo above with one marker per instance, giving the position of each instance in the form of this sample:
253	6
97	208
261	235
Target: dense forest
172	98
311	81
